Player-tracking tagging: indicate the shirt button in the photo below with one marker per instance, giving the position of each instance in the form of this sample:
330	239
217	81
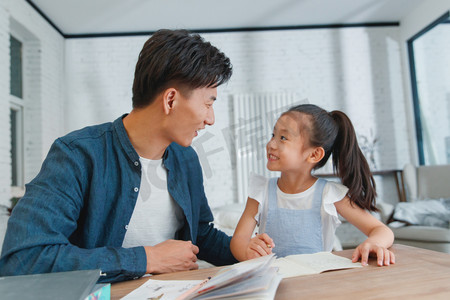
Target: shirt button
136	189
126	227
136	163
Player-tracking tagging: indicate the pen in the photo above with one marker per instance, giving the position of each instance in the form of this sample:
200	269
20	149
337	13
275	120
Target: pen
192	289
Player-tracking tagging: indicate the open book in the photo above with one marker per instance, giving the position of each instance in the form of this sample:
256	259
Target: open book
252	279
306	264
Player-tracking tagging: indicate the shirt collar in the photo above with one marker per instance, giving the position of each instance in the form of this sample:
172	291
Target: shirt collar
124	140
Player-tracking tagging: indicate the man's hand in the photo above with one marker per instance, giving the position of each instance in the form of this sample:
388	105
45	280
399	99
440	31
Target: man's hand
171	256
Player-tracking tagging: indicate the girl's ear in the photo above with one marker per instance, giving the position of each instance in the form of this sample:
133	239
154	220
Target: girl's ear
316	155
169	97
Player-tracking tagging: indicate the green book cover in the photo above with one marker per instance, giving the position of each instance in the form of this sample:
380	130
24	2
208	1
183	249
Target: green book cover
72	285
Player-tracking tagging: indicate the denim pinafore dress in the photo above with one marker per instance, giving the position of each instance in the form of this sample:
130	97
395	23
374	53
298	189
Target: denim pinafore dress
295	231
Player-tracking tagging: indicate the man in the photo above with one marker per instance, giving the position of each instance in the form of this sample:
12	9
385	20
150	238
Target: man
96	203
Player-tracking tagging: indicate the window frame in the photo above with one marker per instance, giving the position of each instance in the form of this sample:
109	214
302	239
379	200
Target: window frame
17	105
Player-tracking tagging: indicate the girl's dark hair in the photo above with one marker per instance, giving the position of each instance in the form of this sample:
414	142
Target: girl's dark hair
177	57
334	132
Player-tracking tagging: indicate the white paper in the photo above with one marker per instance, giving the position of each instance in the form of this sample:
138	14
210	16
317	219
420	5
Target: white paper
169	289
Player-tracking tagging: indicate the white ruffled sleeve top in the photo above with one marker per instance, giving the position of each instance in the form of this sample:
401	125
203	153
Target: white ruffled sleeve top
333	192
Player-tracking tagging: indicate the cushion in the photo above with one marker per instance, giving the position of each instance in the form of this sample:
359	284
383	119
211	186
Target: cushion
432	182
433	212
409	176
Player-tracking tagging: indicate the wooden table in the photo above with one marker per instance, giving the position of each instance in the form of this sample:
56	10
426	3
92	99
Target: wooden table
417	274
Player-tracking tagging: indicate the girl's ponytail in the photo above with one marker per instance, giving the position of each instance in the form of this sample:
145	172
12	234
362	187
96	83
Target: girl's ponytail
351	165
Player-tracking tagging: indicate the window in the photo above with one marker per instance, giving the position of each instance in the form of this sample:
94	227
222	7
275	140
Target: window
16	112
429	60
16	67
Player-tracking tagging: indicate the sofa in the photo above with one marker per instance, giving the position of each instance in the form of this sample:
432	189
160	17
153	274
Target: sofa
422	220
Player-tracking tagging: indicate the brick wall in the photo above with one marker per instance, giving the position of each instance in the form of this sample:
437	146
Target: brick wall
5	166
43	58
357	70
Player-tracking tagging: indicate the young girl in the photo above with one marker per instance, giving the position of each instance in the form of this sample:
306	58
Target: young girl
297	213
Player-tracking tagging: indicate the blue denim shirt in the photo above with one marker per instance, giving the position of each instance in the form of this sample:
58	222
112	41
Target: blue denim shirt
74	214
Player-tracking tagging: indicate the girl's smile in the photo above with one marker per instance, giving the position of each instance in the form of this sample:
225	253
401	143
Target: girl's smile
272	157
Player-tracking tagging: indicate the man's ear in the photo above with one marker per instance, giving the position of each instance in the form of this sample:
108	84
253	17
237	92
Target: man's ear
316	155
169	97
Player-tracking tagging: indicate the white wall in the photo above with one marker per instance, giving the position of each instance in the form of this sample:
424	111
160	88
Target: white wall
421	16
43	90
357	70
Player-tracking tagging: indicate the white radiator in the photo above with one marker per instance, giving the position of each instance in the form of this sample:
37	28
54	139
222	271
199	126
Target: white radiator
254	118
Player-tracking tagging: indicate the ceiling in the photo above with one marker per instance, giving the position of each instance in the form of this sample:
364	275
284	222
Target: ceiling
103	17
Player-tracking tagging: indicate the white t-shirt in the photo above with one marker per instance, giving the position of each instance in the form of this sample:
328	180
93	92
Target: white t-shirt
332	192
156	216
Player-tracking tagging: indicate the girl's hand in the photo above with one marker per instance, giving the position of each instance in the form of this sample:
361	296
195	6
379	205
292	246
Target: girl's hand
380	237
384	256
259	245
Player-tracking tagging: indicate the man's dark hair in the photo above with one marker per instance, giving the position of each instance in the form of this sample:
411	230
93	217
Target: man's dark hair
180	58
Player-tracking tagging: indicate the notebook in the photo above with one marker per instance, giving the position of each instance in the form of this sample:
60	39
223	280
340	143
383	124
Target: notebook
72	285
